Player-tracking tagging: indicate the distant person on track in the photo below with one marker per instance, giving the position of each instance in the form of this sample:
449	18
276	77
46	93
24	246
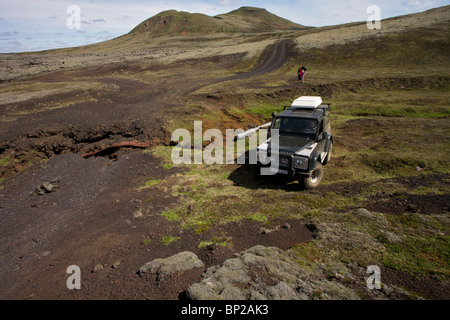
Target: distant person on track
301	73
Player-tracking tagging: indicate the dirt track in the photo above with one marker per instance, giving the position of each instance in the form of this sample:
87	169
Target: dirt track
132	102
271	59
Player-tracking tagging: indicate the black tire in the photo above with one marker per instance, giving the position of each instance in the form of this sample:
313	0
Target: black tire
314	180
328	157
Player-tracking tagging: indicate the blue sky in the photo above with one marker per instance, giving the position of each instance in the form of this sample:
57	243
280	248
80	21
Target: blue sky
38	25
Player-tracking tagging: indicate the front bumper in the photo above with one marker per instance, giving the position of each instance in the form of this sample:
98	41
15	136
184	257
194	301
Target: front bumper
289	165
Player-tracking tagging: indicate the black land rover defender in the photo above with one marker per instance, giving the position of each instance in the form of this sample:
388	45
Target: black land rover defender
305	141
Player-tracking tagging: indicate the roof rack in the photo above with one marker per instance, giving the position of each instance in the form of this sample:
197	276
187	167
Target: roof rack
307	102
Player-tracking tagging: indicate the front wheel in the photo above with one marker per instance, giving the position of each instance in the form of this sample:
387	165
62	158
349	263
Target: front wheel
314	180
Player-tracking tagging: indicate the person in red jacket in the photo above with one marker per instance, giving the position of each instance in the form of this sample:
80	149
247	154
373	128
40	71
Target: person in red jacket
301	74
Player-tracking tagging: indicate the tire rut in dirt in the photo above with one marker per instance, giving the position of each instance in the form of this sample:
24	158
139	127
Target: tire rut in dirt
272	58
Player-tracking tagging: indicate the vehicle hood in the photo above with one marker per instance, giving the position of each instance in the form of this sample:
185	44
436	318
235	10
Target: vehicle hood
291	144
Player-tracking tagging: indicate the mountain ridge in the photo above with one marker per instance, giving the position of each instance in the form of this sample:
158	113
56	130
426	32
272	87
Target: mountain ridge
242	20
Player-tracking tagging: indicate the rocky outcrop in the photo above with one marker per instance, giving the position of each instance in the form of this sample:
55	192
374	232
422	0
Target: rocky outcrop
179	262
261	273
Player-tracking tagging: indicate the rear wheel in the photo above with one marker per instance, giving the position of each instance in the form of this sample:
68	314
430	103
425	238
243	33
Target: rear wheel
314	180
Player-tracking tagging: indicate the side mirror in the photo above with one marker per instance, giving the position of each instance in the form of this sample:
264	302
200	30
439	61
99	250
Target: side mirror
323	136
274	114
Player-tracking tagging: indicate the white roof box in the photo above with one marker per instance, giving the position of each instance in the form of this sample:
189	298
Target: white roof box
307	102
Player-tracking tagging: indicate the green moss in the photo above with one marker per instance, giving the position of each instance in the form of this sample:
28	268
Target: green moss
420	103
202	228
152	182
412	220
265	109
203	244
171	215
220	241
4	161
258	217
168	240
394	163
164	154
419	256
168	166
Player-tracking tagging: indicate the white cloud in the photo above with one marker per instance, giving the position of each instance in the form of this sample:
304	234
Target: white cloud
98	20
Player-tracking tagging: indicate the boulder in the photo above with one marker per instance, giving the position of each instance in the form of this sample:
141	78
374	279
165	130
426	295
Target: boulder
265	273
179	262
256	274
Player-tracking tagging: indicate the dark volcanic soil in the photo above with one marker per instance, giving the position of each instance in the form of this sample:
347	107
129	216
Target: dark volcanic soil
96	215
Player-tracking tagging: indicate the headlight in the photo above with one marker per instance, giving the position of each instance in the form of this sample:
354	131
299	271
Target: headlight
301	163
284	162
262	157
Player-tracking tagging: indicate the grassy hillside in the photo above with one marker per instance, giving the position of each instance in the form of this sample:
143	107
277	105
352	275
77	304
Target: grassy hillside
411	53
243	20
185	30
258	20
173	22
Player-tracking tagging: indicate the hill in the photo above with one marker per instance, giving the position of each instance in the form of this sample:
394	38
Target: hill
242	20
258	20
174	28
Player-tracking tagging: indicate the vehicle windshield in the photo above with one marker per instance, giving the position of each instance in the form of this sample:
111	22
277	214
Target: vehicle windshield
296	125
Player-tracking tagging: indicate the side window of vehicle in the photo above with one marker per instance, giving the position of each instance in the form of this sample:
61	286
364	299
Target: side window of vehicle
277	124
